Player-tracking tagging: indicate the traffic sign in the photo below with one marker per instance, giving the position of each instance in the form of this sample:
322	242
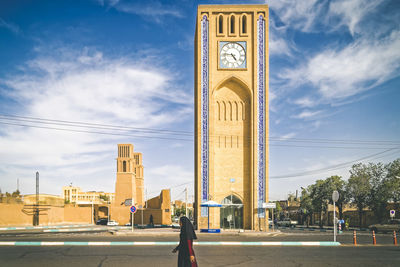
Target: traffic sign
270	205
335	196
392	213
133	209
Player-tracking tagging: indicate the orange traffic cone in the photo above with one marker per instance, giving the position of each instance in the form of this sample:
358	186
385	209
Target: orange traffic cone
394	238
354	238
373	238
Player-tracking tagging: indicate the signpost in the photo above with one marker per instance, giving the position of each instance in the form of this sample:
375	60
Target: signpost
335	197
133	210
392	213
270	205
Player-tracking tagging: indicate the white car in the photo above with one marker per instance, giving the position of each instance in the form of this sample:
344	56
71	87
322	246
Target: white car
287	222
112	223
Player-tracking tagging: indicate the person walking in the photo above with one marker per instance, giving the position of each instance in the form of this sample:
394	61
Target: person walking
186	257
151	220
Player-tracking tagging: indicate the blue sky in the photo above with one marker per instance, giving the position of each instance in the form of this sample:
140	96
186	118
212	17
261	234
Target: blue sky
334	90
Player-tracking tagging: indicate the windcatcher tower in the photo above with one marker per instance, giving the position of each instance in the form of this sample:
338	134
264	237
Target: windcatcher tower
129	183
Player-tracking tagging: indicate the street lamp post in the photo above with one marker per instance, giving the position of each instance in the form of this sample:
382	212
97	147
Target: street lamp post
335	197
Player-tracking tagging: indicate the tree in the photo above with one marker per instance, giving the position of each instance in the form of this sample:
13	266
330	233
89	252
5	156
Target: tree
359	187
319	193
306	204
278	210
180	211
392	182
336	183
15	193
104	197
378	197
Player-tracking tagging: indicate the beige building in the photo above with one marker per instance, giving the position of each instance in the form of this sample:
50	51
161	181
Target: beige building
44	199
74	195
129	183
231	115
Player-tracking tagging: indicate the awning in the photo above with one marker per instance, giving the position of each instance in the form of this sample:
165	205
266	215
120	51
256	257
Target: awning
210	203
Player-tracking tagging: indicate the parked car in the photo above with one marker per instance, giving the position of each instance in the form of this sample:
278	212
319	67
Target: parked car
102	222
287	222
112	223
389	226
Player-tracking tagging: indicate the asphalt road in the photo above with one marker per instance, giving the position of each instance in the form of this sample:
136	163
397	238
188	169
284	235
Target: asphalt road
287	235
206	256
385	254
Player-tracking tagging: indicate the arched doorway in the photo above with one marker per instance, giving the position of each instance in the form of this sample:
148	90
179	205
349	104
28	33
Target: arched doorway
231	213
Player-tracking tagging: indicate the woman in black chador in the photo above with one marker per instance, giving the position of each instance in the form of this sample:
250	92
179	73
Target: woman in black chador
186	256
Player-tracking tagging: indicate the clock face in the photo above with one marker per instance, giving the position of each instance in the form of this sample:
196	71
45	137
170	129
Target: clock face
232	55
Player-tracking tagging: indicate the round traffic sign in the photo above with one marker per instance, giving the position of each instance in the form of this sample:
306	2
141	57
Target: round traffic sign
133	209
335	196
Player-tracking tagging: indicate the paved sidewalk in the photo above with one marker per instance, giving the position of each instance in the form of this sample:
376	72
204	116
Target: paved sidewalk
171	231
139	243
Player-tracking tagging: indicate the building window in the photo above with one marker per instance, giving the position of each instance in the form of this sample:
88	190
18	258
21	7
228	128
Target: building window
244	24
232	24
220	24
124	166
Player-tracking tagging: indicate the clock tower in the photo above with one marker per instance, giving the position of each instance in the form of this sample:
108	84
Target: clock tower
231	116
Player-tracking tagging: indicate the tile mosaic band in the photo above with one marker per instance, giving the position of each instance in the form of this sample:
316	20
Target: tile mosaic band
204	114
261	114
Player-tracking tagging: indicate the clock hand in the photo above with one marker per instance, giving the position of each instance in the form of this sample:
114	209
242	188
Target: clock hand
233	56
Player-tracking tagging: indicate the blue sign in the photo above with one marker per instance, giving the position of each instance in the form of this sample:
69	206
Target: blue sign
133	209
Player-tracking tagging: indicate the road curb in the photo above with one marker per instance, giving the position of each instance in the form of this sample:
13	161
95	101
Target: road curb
138	243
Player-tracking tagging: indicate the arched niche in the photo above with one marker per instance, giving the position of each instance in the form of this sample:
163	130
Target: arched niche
230	139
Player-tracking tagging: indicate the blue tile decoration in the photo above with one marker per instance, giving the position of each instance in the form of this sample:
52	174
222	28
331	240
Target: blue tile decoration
261	114
204	114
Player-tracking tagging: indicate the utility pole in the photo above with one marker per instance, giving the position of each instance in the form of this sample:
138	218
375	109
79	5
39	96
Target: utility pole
36	213
186	201
18	184
132	214
92	211
146	198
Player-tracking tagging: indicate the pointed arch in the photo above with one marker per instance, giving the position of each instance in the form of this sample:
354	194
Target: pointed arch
236	80
243	111
230	111
224	110
236	111
219	110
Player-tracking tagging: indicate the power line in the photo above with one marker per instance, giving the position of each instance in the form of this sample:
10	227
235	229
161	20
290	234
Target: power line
333	167
94	125
174	132
172	138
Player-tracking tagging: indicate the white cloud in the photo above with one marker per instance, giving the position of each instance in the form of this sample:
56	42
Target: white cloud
352	12
306	114
297	14
10	26
305	102
86	87
154	10
170	176
315	15
288	135
358	67
277	44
